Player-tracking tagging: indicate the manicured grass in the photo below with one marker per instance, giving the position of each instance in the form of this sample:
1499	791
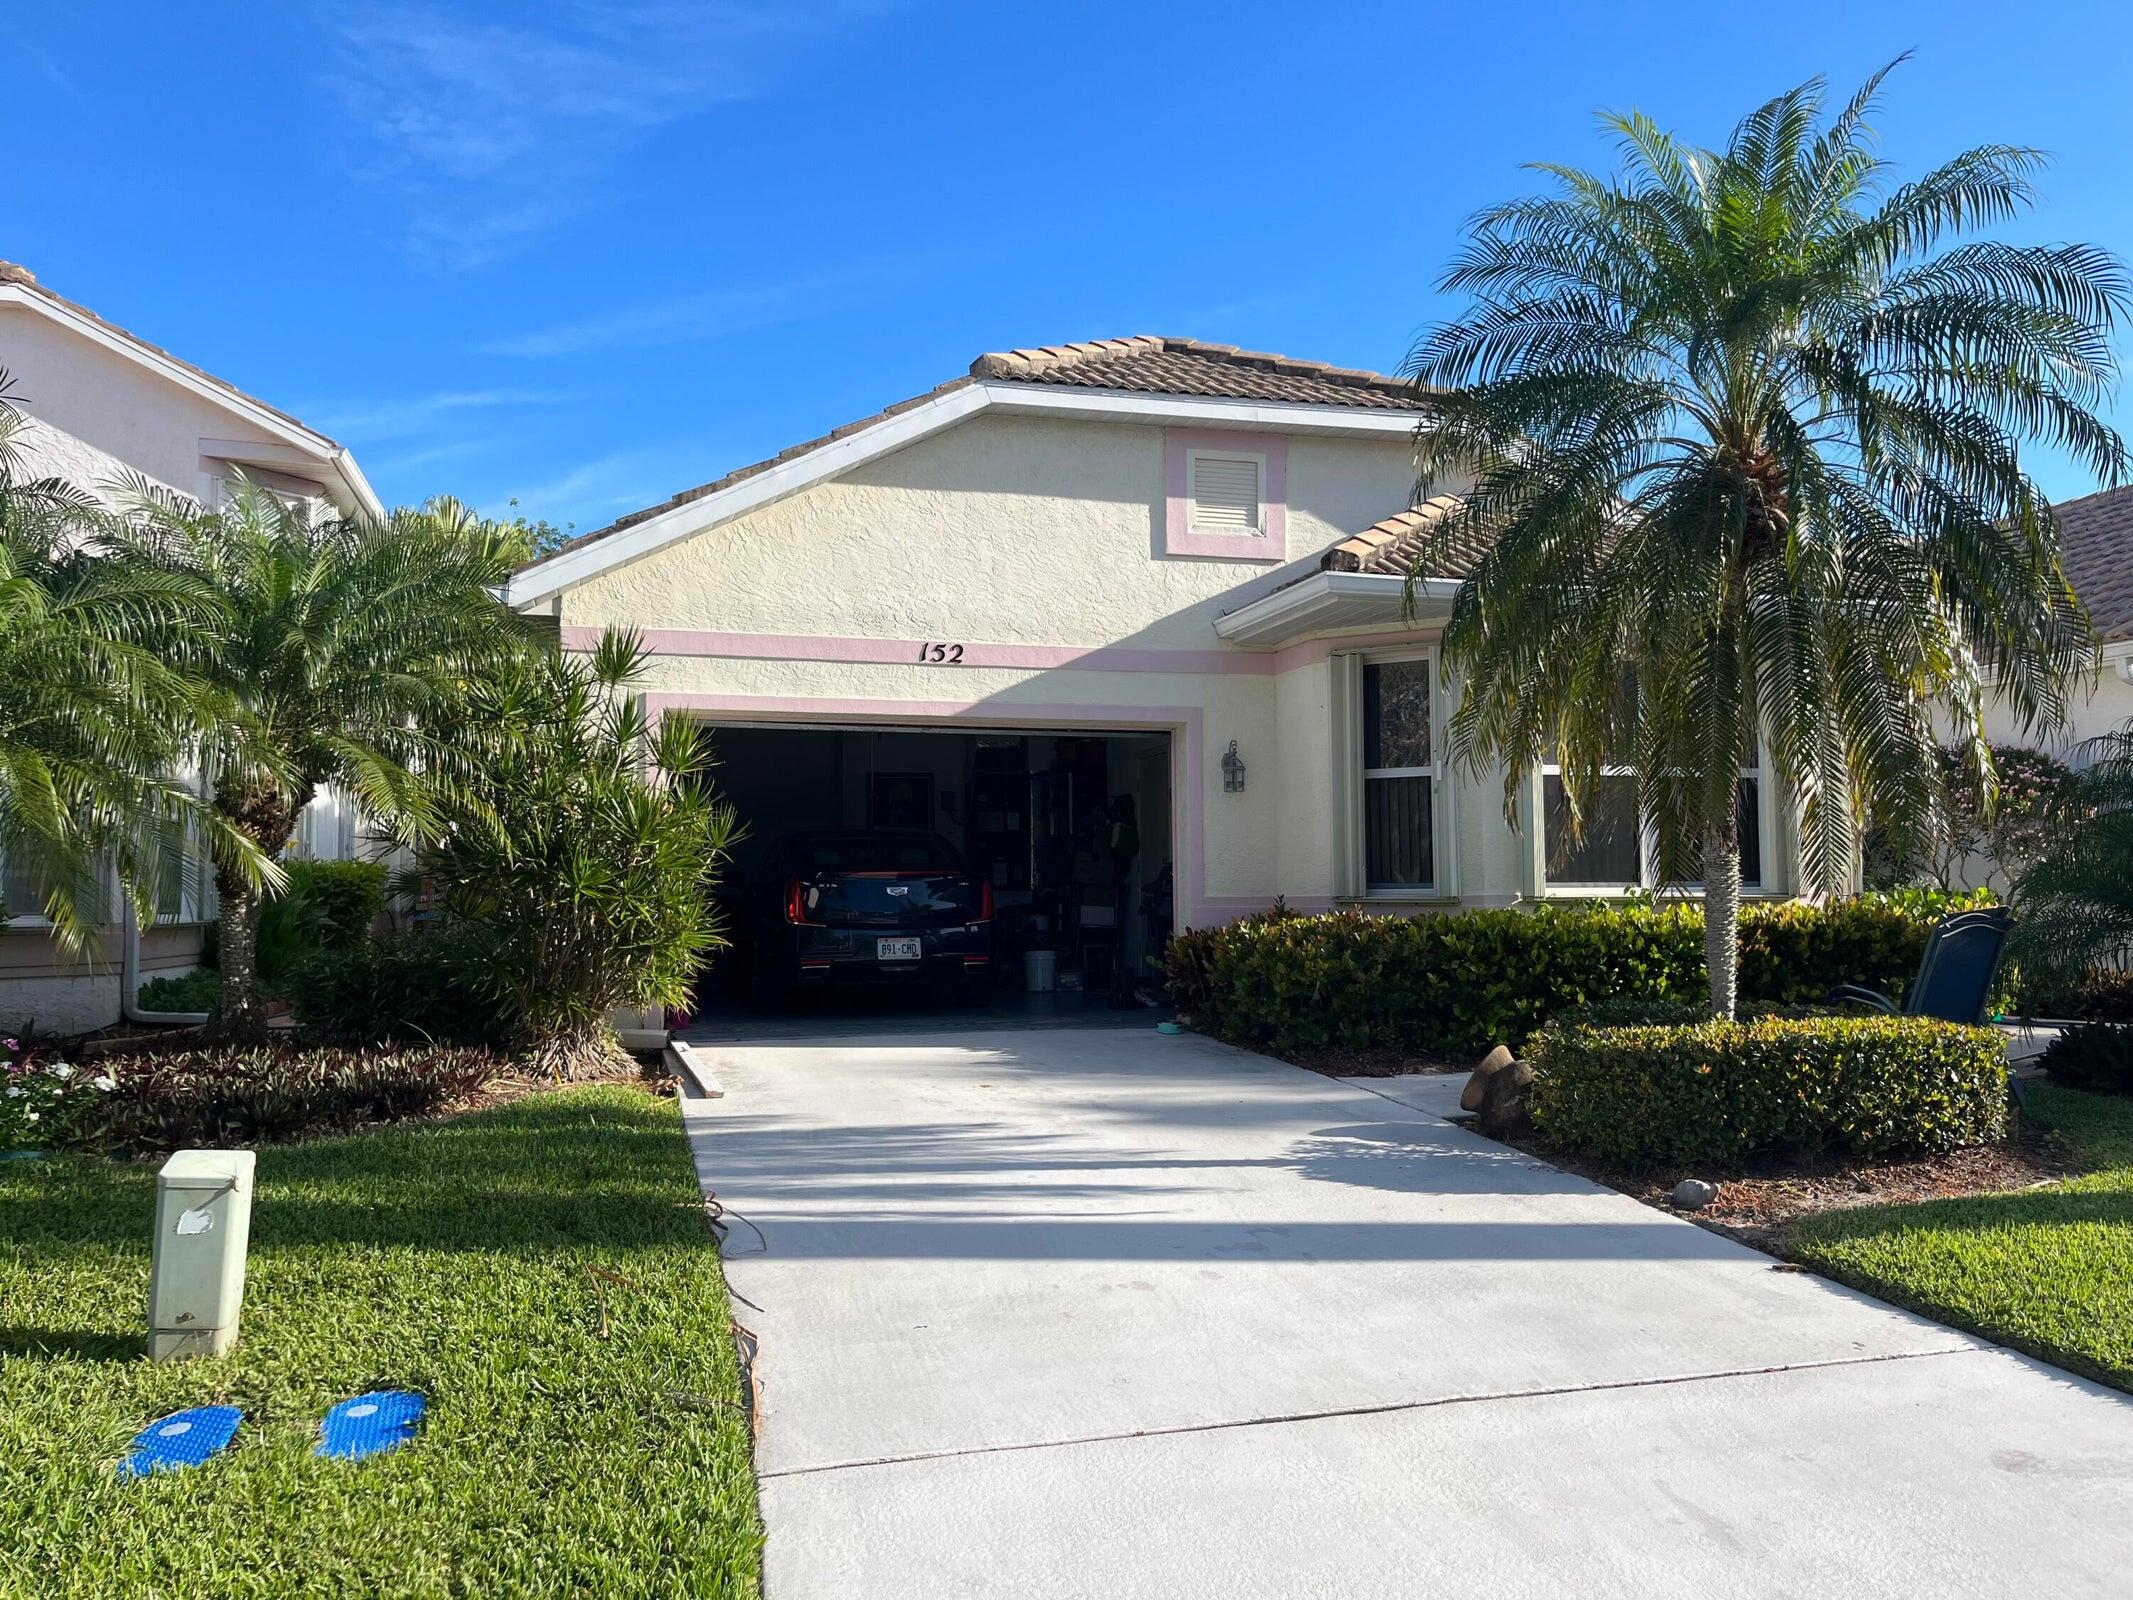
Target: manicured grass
2047	1270
449	1258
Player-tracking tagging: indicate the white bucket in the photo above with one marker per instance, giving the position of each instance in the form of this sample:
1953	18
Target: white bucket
1040	971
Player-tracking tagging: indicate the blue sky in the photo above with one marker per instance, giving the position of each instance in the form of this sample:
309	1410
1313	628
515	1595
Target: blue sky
586	254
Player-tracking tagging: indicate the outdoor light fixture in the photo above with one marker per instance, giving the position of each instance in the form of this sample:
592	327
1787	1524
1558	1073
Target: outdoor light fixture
1232	770
196	1274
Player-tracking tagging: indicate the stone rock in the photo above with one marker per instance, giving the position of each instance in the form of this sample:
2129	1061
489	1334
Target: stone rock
1693	1194
1491	1064
1503	1113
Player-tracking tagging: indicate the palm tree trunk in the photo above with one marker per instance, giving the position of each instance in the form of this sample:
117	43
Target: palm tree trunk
1721	910
239	1015
267	818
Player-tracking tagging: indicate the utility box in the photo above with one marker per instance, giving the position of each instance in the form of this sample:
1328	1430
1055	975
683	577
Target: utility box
203	1224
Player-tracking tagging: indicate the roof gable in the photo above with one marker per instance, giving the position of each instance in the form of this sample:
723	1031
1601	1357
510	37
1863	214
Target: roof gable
1170	379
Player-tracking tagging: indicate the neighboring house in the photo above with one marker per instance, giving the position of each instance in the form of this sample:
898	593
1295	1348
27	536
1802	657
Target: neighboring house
104	405
1086	572
2096	543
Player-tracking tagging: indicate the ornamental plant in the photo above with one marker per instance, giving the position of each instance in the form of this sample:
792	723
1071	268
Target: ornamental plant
577	855
45	1101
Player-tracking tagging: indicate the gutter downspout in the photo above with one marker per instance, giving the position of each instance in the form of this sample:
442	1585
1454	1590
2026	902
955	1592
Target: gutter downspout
130	980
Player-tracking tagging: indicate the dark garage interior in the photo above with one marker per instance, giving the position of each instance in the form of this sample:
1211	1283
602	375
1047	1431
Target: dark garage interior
1071	832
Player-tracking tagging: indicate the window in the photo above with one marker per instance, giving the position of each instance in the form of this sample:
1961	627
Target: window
1225	493
21	892
1399	778
1617	850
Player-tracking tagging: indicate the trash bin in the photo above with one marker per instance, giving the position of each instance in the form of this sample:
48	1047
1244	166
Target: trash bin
1040	971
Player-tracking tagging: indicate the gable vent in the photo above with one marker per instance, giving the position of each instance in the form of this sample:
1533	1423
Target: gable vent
1225	494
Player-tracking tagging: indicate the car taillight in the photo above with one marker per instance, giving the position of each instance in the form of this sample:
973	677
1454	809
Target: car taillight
985	900
795	902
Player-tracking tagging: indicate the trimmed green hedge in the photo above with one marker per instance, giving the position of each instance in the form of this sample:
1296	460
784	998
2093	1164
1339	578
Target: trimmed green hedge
1459	982
199	990
415	989
1722	1092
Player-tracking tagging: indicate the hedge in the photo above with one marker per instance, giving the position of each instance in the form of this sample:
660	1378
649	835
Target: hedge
407	990
1719	1093
1457	983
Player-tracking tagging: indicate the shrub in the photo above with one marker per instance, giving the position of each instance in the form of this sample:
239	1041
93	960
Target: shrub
193	991
45	1100
410	990
1460	982
328	905
236	1096
346	897
1721	1092
1636	1014
579	851
2102	996
2097	1057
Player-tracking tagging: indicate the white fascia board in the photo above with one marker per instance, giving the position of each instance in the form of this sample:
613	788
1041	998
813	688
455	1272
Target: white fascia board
1328	600
760	489
1264	416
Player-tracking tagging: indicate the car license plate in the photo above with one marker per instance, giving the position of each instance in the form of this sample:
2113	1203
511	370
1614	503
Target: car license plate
896	949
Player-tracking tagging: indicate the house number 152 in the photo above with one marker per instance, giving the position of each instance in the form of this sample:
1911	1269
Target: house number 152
941	655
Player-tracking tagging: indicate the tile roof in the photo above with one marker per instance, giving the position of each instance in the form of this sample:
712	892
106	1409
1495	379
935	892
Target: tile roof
1142	364
1392	546
1150	364
14	273
2096	544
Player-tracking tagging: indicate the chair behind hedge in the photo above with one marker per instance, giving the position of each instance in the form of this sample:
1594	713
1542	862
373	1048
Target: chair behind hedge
1955	975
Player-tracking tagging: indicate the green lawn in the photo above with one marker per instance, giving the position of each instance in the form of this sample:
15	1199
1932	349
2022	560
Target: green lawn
2046	1270
448	1258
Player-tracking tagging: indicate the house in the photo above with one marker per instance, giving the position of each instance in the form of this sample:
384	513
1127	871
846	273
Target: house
1144	573
2096	544
105	405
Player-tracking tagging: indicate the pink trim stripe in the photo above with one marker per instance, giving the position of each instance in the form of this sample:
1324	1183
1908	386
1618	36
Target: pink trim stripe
914	652
713	644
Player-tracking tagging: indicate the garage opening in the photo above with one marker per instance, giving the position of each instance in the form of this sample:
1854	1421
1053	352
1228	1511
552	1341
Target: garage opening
918	870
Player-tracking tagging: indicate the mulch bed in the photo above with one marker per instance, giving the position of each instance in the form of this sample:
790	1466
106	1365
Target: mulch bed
1757	1206
1376	1061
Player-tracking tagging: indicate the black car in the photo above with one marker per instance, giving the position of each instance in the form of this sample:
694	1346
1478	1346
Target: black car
853	906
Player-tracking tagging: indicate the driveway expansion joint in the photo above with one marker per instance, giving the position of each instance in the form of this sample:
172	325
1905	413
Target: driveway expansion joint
1388	1408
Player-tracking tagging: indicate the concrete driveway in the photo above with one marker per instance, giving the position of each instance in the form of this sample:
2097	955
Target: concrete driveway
1107	1313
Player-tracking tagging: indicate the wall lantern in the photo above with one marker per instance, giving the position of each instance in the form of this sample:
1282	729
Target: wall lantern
1232	770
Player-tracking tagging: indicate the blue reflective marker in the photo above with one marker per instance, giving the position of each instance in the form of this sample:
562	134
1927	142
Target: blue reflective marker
182	1439
370	1423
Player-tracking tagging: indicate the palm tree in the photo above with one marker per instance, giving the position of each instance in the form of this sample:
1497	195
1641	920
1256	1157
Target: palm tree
1744	431
94	717
2075	902
342	648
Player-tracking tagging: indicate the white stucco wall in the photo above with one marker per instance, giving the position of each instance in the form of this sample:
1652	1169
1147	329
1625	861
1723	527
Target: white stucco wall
1010	529
2102	705
117	409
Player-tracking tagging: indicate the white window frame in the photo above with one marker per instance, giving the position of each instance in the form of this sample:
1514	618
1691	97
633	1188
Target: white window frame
1194	455
1647	841
1357	808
